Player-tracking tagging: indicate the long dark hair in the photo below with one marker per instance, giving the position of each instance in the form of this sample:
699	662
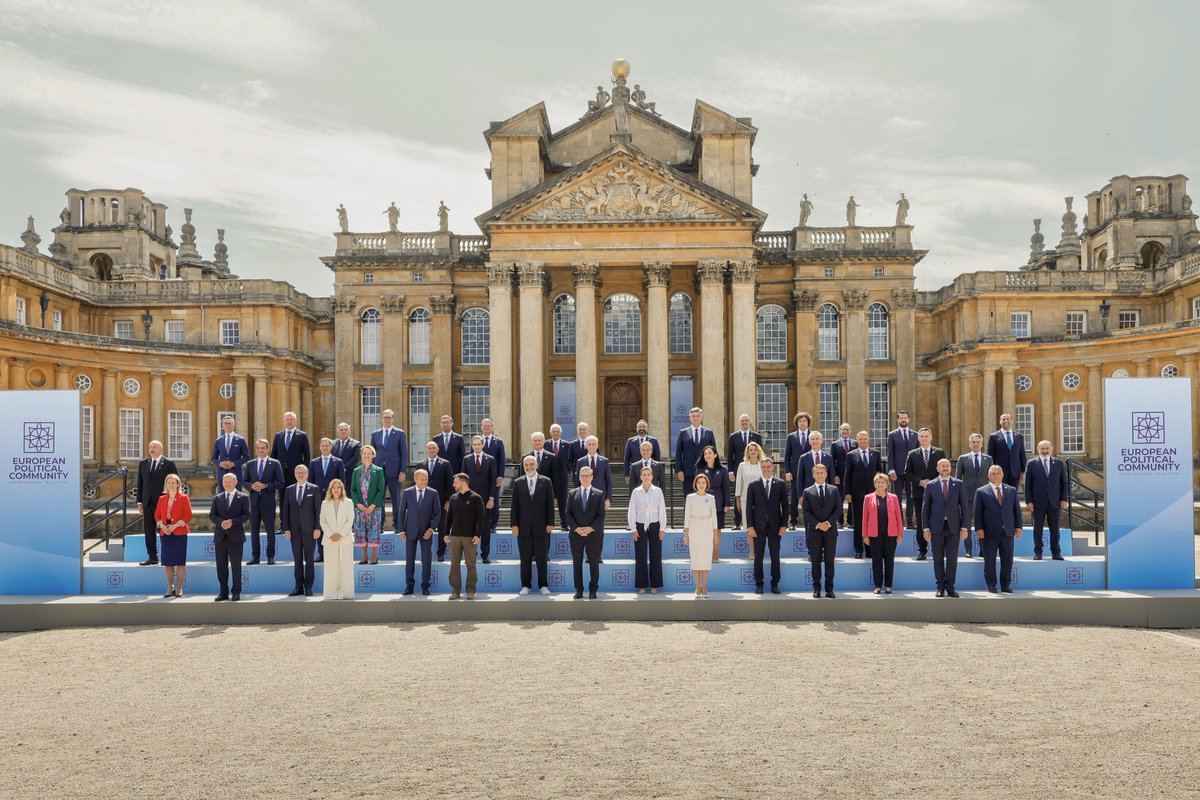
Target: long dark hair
702	463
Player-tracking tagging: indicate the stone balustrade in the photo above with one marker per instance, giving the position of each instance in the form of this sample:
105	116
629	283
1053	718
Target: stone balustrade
837	239
431	243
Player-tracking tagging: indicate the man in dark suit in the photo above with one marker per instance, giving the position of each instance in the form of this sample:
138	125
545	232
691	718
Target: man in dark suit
420	513
493	445
323	470
766	522
441	480
152	471
900	441
451	445
228	513
998	525
532	520
822	504
815	456
601	473
547	465
291	449
972	470
262	477
1046	494
797	446
735	454
944	523
481	478
919	468
689	445
560	448
230	451
301	523
840	449
391	453
578	449
347	448
633	446
1007	449
585	521
645	459
862	465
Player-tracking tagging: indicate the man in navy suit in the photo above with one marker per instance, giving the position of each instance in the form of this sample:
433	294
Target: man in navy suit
560	448
323	470
230	451
532	521
944	520
766	522
585	521
291	449
797	446
1007	449
689	445
262	477
919	468
862	465
441	480
547	465
347	448
1046	494
451	446
645	460
391	453
735	453
633	446
900	441
822	505
481	478
301	523
601	474
493	445
816	455
228	513
578	449
840	449
998	525
972	471
420	513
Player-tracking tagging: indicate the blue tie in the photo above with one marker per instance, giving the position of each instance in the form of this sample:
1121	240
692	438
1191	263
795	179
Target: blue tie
325	465
1008	435
261	463
287	439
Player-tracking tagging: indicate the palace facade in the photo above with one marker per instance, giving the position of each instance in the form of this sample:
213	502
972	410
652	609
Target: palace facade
622	272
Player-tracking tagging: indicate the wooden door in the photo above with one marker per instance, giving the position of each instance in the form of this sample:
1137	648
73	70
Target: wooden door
622	410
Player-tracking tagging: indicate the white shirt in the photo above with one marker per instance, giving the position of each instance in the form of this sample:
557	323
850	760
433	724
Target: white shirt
646	506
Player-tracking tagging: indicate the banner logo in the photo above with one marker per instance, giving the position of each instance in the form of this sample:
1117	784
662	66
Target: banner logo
39	437
1149	427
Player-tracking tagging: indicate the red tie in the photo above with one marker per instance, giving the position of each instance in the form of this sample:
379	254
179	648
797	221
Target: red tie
999	495
945	490
593	463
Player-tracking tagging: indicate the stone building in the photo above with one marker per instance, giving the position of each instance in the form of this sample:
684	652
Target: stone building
622	272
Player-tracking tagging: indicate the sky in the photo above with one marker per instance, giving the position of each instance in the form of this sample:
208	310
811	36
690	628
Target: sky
264	116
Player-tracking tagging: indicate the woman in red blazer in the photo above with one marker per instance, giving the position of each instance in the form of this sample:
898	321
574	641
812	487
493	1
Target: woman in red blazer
883	525
172	515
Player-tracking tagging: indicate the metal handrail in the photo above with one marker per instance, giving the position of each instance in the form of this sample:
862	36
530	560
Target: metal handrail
1095	514
108	508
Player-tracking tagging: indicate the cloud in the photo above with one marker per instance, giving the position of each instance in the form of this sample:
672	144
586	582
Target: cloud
249	94
904	124
887	12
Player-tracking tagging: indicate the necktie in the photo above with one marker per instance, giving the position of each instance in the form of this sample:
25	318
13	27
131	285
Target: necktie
431	466
804	438
287	439
228	443
696	435
587	495
1046	465
229	500
821	491
478	462
999	495
945	490
531	485
261	464
445	441
299	492
593	464
904	433
488	443
420	496
1008	438
324	465
556	447
926	455
977	462
769	482
846	445
645	464
154	465
745	438
538	456
863	456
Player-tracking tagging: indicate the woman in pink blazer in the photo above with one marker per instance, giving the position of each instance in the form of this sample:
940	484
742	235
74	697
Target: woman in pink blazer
883	525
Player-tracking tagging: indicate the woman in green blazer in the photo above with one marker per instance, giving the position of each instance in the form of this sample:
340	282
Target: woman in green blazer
367	487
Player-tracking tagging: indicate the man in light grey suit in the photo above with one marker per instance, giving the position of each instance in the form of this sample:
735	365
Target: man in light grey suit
972	470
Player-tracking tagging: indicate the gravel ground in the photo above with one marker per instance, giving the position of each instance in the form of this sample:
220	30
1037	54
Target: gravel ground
582	710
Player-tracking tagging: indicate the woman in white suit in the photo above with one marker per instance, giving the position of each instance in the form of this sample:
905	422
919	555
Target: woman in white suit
337	531
699	530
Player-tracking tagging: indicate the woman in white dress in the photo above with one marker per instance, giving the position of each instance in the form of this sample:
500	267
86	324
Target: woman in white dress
749	471
699	529
337	532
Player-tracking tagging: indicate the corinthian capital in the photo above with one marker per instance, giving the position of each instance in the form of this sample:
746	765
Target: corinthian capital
658	273
531	273
744	271
710	271
587	273
499	275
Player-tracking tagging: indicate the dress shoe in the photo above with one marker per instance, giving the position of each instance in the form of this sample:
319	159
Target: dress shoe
1058	557
454	595
887	590
425	592
993	590
271	562
544	590
878	590
1037	556
591	595
758	590
407	592
220	598
441	558
951	593
295	593
1007	590
579	595
308	592
235	598
941	593
858	555
817	595
487	561
470	595
149	562
252	562
830	595
524	591
775	590
921	557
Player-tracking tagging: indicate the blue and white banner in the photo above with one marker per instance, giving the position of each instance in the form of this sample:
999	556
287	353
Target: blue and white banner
40	483
564	405
1148	483
681	403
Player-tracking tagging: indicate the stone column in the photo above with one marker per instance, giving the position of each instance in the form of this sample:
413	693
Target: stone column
1143	368
315	431
942	402
158	413
958	426
587	389
710	272
343	360
804	303
5	374
261	429
855	408
500	374
745	353
1046	423
1094	413
241	409
1191	367
391	335
62	376
293	405
904	303
204	417
441	399
988	406
531	277
971	405
110	430
658	369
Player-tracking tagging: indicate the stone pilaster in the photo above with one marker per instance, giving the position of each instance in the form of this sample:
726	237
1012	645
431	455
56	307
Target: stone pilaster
62	376
241	409
315	431
110	431
855	402
158	413
1094	413
804	304
531	278
989	393
658	368
941	433
972	404
744	281
1008	389
441	398
587	281
500	301
958	426
904	302
262	428
343	362
394	352
204	416
710	273
1048	419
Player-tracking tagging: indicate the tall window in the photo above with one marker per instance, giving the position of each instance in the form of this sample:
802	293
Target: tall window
1196	308
476	337
179	435
56	320
1071	425
370	336
772	415
123	329
87	433
1128	319
1019	324
679	326
476	406
1023	423
829	407
173	331
222	415
829	333
231	332
418	336
1076	323
564	325
879	411
130	426
372	408
772	334
20	310
877	332
622	324
418	421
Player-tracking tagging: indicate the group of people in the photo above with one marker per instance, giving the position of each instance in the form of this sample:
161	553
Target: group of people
332	504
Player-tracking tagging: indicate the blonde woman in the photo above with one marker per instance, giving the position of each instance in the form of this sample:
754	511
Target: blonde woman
749	471
699	529
337	531
172	515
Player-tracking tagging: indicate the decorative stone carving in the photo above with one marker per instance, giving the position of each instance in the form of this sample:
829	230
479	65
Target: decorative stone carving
1070	233
531	273
639	99
1037	242
443	213
587	273
65	216
854	298
393	303
904	298
901	210
806	208
499	275
602	98
658	273
343	304
851	210
221	250
393	215
442	305
30	237
805	299
623	193
343	219
744	271
187	238
710	271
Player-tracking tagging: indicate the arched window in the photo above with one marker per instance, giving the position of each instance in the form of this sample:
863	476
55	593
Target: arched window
772	334
418	336
679	326
1101	259
622	324
1152	255
369	336
877	331
564	325
829	333
102	263
476	337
